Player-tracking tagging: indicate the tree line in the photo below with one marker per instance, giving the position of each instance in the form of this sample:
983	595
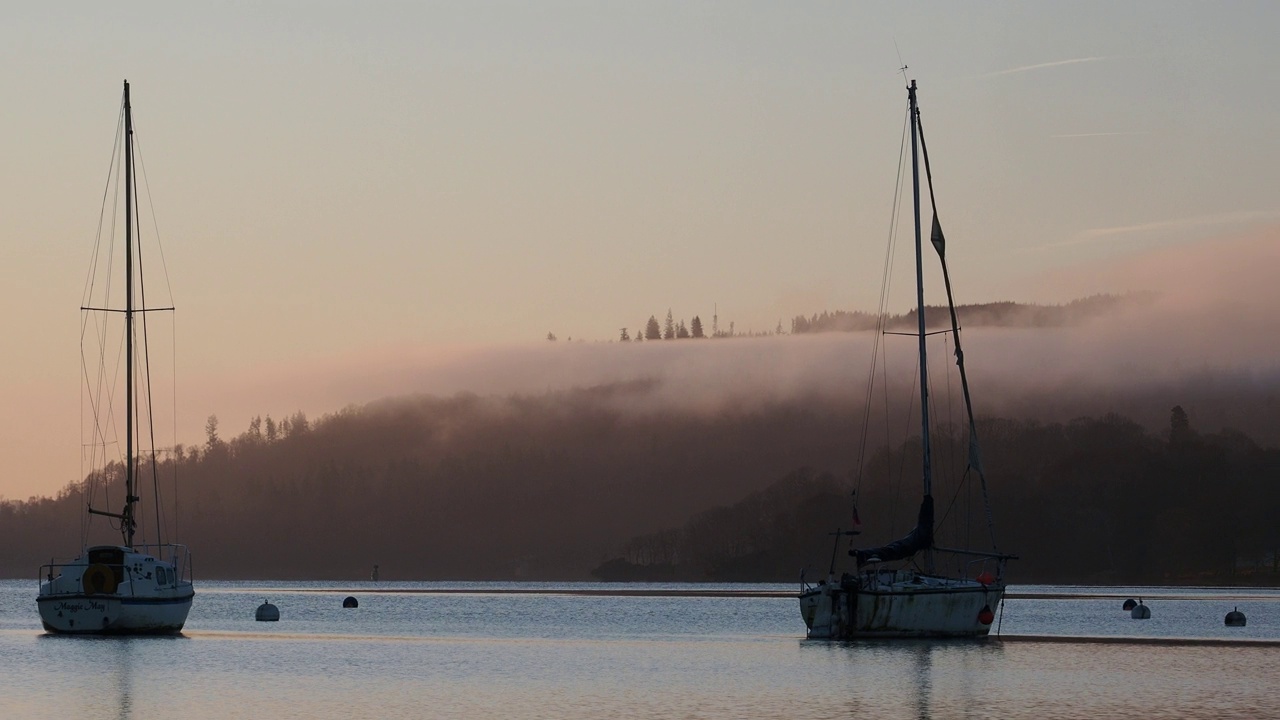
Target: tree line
1095	500
462	487
553	486
993	314
670	329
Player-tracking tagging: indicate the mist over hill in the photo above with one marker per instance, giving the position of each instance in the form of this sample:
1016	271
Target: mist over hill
551	486
546	460
459	487
992	314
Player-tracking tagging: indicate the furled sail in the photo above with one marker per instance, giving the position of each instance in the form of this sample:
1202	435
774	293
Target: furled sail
940	244
920	538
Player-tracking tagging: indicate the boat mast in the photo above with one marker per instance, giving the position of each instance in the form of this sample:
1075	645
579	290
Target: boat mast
924	364
127	523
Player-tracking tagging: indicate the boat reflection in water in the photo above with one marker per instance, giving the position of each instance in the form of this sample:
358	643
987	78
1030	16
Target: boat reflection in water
540	651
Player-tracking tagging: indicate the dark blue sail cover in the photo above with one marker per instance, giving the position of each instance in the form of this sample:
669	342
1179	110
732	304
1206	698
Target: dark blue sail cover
920	538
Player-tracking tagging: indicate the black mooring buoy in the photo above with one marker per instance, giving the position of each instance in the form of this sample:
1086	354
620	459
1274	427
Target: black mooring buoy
267	612
350	602
1140	611
1129	604
1235	618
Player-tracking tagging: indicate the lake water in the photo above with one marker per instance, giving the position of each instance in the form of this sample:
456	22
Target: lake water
524	650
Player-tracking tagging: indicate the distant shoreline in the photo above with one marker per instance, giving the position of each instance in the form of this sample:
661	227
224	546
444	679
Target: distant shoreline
739	593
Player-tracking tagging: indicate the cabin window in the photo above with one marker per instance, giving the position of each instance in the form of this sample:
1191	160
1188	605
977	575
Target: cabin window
162	576
106	555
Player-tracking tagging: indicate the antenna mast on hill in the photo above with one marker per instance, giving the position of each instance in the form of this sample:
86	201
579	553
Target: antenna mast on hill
715	320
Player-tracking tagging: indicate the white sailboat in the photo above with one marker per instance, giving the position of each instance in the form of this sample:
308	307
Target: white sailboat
897	590
127	588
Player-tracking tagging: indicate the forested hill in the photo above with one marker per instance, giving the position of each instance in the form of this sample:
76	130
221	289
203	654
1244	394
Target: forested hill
459	487
995	314
1091	501
554	485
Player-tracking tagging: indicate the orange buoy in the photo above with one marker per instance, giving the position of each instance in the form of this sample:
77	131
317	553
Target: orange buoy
986	578
985	616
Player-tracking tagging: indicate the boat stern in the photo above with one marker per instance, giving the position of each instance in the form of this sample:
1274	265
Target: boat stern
116	590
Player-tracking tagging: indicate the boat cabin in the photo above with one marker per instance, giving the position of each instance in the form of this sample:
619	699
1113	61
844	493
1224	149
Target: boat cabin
110	555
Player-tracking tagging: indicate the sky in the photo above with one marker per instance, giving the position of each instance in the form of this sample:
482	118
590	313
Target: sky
344	189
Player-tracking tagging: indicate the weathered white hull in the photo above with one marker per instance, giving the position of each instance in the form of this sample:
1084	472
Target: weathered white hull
117	590
914	606
113	615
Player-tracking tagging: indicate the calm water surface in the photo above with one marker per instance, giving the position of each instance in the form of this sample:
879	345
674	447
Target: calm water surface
547	654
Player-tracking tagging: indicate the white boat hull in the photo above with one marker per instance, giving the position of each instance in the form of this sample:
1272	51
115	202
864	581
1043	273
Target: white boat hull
117	590
918	606
114	615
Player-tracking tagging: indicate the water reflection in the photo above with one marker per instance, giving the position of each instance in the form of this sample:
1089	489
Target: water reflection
112	661
108	666
923	659
123	657
580	658
905	678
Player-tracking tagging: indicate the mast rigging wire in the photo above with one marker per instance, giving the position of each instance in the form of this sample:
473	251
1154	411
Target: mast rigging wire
886	277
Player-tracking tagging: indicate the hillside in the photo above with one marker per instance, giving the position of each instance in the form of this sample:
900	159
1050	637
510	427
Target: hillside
994	314
1090	501
551	486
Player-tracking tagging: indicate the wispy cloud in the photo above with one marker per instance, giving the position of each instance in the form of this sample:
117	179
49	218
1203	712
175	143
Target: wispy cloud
1230	218
1093	235
1100	134
1041	66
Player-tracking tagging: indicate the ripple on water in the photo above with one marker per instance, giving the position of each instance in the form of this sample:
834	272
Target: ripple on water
414	655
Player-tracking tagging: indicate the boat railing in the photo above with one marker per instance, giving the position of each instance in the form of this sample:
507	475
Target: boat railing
983	567
46	570
983	560
176	555
179	556
806	586
876	575
879	578
47	576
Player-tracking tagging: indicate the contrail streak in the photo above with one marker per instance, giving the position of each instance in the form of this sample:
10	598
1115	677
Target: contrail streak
1056	63
1100	134
1094	235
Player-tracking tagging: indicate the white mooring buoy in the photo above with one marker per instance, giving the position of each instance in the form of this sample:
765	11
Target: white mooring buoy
267	612
1140	611
1235	618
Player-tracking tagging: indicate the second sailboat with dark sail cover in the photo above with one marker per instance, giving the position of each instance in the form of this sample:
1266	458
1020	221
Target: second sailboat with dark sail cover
896	589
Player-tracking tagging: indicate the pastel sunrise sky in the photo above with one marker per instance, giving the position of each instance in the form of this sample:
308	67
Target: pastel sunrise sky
346	189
